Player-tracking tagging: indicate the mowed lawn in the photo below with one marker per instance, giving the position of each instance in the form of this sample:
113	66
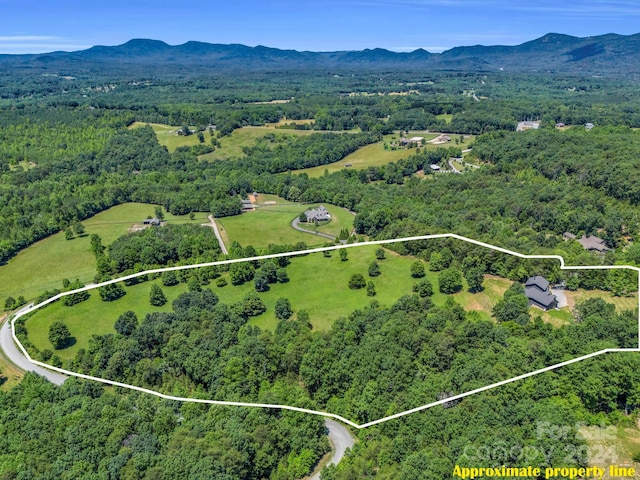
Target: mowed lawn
270	223
95	317
621	303
168	137
44	265
318	284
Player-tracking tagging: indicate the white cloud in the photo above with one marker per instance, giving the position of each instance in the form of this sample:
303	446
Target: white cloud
36	44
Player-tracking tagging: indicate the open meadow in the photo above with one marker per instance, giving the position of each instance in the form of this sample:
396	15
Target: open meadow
375	155
44	265
270	223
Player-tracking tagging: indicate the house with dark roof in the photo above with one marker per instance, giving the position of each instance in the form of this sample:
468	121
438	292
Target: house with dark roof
537	291
320	214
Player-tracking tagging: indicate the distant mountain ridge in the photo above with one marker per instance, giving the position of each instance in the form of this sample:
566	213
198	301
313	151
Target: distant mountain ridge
609	54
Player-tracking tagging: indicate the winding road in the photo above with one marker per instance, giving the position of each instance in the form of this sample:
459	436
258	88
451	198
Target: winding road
340	439
16	357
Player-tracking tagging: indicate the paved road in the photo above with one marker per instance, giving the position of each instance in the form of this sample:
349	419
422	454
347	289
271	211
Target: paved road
340	439
453	168
15	355
295	224
218	236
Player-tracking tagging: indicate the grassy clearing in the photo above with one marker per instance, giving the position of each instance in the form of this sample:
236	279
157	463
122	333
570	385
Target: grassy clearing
231	145
317	284
612	445
95	317
288	121
447	117
168	137
621	303
375	155
557	318
270	223
44	265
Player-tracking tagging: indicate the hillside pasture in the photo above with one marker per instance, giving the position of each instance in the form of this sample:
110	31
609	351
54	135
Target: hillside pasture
270	223
43	265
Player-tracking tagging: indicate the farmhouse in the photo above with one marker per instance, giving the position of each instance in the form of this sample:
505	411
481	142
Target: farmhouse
320	214
537	291
440	139
154	222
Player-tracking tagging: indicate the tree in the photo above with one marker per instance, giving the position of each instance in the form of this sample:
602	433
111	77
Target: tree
417	269
126	323
514	305
68	233
111	292
200	137
474	278
156	296
251	305
21	301
357	281
193	285
260	282
302	217
380	254
374	269
281	275
283	309
423	288
9	303
169	278
221	282
343	254
75	298
371	289
79	228
158	212
450	280
59	335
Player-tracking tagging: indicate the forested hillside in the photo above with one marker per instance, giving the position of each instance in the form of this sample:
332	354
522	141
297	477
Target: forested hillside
66	153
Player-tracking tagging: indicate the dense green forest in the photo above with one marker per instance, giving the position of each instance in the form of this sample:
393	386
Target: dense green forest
66	156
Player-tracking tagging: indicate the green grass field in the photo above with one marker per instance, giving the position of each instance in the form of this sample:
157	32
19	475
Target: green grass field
317	284
270	223
95	317
44	265
621	303
168	137
375	155
447	117
231	145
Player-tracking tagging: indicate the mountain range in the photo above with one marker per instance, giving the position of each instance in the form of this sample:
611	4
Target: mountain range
609	54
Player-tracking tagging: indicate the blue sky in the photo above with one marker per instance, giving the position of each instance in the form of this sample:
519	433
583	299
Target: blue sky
33	26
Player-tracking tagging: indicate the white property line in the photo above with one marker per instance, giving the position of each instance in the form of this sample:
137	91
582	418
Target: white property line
315	250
